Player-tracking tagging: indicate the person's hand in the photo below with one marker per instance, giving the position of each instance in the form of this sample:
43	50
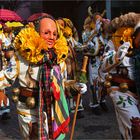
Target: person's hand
81	87
123	50
126	44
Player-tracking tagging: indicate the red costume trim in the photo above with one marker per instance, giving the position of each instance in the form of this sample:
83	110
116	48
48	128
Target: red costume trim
55	93
63	128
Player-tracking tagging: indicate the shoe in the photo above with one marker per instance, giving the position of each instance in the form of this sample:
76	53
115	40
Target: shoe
104	106
72	110
96	110
80	115
80	108
5	116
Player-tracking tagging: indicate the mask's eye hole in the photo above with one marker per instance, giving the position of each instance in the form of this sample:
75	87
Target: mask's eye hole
27	50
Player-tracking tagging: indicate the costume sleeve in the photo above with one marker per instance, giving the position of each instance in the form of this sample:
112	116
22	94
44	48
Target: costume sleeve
9	73
78	46
86	35
113	58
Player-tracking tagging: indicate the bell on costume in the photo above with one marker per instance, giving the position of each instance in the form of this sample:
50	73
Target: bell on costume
30	102
15	98
123	87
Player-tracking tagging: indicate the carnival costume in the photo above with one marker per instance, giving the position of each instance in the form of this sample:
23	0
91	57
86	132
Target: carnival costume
6	37
118	62
4	100
73	70
40	100
93	37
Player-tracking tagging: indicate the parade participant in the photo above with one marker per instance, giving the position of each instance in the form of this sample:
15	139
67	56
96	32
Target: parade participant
136	57
136	45
92	35
4	100
73	69
40	101
118	62
7	35
5	43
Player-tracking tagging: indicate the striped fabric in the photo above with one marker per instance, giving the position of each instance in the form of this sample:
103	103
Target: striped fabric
56	83
61	113
50	84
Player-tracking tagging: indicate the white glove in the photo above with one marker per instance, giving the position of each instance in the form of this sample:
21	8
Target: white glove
125	46
123	50
81	87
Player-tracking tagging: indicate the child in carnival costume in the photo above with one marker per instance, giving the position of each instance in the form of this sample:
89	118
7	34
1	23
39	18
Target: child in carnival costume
40	101
73	70
117	72
93	36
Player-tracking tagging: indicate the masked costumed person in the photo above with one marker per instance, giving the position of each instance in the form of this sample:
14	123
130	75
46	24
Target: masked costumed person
93	37
4	100
117	72
6	37
71	35
7	49
40	101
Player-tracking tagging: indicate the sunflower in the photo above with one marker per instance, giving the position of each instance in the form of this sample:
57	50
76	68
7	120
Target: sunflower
30	45
61	49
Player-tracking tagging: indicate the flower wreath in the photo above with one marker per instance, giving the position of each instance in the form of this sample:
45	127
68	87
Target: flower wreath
31	46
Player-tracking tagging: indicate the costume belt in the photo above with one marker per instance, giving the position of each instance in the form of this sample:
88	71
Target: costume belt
121	79
26	92
25	113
